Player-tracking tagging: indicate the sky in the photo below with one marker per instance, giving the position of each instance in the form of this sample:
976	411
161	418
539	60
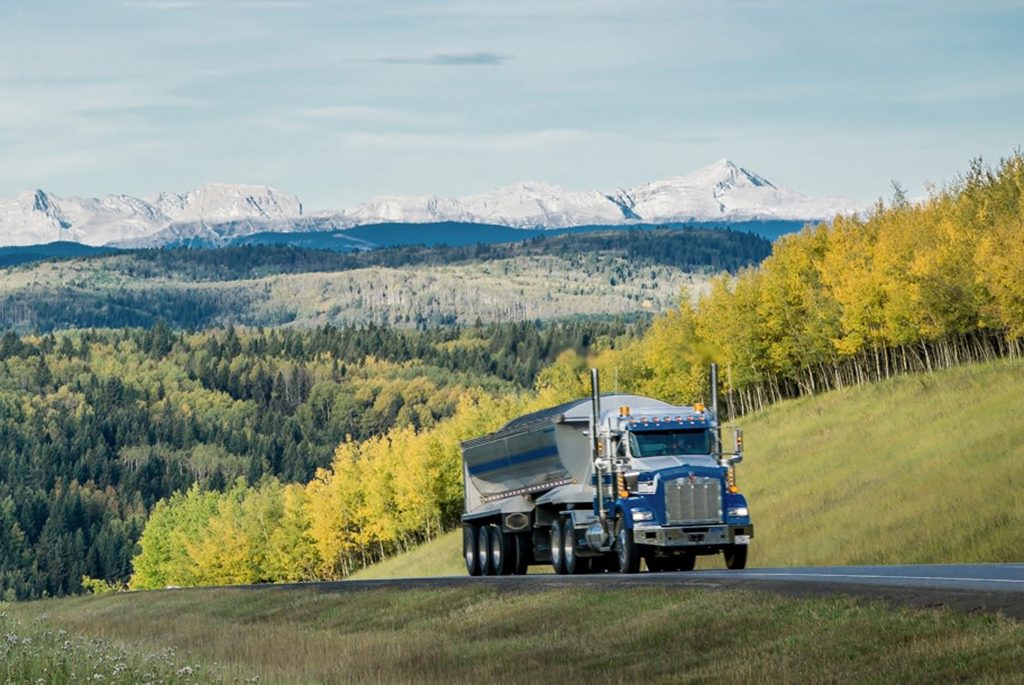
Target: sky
341	101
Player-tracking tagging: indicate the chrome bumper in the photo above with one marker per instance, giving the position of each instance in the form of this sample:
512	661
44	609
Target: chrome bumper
692	536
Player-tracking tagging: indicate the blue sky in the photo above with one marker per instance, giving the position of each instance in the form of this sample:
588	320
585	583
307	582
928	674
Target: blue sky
341	101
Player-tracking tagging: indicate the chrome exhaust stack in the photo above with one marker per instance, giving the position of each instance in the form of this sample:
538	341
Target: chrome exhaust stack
716	425
597	534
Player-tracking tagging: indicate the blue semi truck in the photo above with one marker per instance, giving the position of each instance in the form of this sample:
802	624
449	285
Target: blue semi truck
605	484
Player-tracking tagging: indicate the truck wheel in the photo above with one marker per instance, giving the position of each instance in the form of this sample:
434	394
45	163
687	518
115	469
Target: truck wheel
503	552
627	550
557	558
574	563
736	557
603	563
657	564
469	535
483	551
524	553
684	562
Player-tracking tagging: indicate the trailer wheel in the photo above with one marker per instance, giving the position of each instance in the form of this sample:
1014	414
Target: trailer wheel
557	558
524	553
483	551
627	550
736	557
574	563
503	552
469	548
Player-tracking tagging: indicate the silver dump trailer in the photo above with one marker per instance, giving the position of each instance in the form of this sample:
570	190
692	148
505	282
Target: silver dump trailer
600	484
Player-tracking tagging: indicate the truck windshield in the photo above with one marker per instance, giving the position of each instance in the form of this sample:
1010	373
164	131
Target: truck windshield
669	443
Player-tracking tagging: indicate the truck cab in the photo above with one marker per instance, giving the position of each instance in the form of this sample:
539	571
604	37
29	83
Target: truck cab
678	496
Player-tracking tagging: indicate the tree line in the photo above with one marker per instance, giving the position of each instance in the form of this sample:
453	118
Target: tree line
688	249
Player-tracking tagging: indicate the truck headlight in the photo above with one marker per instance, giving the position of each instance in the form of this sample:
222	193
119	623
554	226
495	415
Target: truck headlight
738	512
641	515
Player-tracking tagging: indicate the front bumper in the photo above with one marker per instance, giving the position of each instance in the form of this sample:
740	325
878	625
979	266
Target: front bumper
715	535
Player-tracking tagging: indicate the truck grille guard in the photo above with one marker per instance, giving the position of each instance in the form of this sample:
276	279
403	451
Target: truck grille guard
693	499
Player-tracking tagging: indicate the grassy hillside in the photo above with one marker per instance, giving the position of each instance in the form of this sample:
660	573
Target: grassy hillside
919	469
439	557
478	634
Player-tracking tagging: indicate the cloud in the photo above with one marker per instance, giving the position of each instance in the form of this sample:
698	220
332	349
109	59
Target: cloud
543	139
229	4
449	59
379	115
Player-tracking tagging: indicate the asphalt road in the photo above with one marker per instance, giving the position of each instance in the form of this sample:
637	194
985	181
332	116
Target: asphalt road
962	587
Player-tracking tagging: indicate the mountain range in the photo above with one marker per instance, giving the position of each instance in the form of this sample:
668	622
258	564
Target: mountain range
218	213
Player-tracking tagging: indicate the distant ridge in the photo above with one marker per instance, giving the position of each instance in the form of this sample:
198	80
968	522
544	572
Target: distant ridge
219	213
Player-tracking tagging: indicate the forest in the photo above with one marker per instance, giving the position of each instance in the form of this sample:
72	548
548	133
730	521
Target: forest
97	427
908	287
629	272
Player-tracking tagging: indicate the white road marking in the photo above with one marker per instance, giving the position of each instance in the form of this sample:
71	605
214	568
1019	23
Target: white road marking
856	576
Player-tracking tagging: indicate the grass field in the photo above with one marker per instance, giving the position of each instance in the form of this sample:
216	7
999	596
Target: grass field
283	635
919	469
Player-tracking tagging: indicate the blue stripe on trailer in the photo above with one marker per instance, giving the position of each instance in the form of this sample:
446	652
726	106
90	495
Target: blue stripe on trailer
514	460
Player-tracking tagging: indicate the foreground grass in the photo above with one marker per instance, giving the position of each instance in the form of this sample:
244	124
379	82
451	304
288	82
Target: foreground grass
919	469
479	634
38	651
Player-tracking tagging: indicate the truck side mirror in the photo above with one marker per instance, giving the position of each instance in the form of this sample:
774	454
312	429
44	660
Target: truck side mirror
737	455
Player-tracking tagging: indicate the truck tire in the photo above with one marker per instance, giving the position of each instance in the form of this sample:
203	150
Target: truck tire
603	563
657	564
503	552
524	553
736	557
627	551
483	551
469	536
557	558
574	563
683	562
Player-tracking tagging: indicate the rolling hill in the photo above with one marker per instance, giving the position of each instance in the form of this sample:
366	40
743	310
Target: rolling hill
547	277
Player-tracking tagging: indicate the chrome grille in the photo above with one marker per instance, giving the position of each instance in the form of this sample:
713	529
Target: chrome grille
693	500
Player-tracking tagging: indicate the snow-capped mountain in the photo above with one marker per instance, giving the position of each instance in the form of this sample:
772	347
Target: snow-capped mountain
218	212
719	192
37	217
222	202
523	205
724	191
